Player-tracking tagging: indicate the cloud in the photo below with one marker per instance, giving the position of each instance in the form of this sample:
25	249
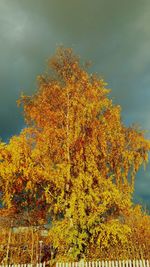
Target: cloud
142	185
114	35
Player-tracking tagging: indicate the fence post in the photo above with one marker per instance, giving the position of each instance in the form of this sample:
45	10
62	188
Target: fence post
103	264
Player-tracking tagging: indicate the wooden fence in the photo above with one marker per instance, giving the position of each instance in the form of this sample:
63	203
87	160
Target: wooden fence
24	265
123	263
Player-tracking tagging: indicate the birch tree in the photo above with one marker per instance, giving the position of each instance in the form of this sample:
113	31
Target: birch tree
76	158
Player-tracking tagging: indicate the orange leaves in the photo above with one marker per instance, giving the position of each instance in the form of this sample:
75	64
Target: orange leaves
28	185
75	159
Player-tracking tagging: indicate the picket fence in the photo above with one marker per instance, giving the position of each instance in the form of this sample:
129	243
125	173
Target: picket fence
123	263
24	265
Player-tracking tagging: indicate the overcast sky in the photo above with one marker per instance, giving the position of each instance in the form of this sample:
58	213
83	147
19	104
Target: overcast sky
113	34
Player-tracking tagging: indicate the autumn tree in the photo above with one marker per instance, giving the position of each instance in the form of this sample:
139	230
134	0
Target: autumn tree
21	200
76	158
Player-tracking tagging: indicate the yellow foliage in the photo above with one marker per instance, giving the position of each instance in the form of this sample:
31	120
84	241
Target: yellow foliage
76	160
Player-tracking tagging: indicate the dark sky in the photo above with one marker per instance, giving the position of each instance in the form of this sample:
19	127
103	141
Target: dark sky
113	34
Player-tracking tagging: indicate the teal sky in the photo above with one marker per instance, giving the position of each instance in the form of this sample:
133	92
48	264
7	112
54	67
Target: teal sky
113	34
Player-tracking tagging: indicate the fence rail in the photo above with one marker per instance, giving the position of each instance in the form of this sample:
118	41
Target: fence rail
116	263
24	265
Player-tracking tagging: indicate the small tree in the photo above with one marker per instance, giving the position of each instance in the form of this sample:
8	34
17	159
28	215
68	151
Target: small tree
75	158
